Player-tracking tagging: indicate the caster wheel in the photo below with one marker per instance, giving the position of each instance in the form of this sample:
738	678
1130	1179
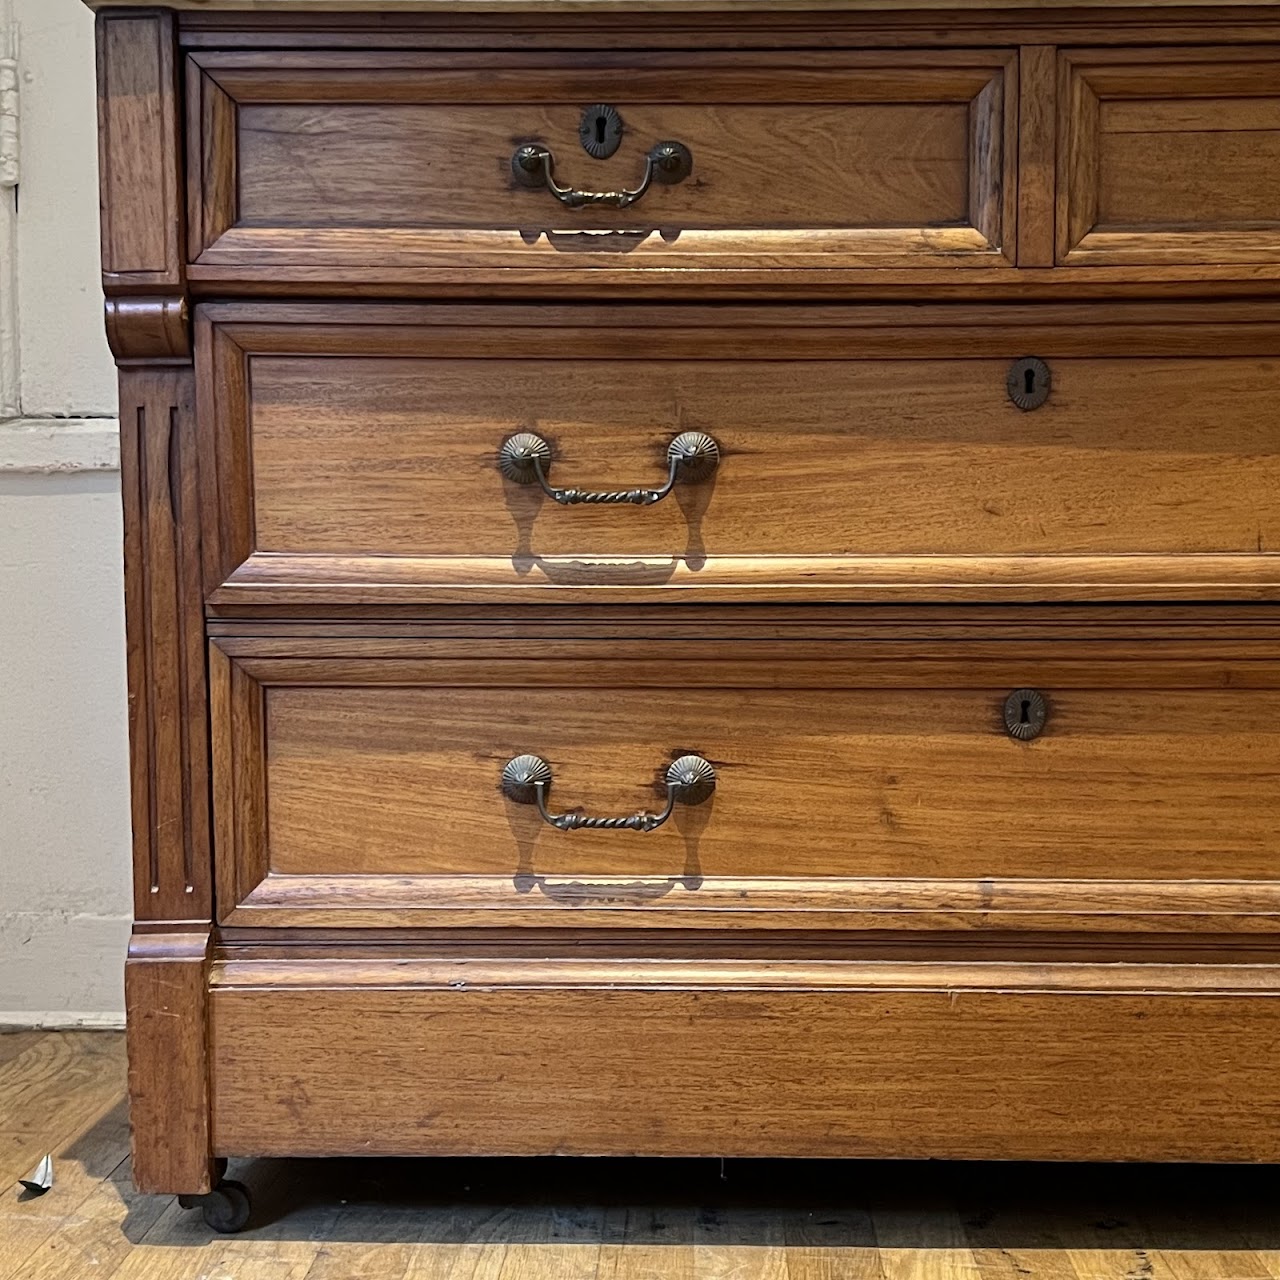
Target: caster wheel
226	1208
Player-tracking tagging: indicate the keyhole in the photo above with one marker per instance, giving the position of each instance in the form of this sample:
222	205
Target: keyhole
1025	712
600	130
1028	383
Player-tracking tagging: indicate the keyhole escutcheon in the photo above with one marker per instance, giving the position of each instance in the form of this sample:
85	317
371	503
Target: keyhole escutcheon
600	130
1029	383
1025	713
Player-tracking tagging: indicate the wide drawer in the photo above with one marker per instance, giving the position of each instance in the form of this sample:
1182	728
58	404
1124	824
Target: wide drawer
819	159
1169	157
354	454
404	1056
848	778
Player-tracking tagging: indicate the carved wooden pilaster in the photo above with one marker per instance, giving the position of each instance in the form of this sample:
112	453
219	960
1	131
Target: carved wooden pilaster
144	257
144	277
165	612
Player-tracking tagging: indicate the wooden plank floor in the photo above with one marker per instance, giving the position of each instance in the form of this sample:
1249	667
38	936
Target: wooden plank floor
578	1220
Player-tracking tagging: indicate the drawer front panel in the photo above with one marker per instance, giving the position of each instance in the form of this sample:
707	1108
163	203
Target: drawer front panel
1170	156
827	160
1052	1061
366	778
370	456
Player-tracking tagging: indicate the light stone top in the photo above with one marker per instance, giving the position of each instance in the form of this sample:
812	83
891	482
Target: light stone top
654	6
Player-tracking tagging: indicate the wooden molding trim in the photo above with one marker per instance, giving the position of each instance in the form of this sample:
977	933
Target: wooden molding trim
148	328
703	974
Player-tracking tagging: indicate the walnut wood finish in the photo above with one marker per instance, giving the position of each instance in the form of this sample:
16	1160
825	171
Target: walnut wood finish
1053	1061
140	153
356	780
327	160
168	720
166	993
893	930
1169	156
313	167
357	451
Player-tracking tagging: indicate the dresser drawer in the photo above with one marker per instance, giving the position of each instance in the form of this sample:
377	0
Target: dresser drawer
418	160
358	453
1169	156
824	780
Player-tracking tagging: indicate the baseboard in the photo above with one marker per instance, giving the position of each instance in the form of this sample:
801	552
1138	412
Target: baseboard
59	446
59	1020
62	970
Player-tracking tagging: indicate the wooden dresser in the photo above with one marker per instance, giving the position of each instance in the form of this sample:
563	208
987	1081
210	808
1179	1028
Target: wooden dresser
701	578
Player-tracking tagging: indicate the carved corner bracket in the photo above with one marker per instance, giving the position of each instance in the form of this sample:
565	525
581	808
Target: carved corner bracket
149	328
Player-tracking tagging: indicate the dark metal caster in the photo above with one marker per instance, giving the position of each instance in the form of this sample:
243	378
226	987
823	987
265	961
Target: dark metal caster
226	1209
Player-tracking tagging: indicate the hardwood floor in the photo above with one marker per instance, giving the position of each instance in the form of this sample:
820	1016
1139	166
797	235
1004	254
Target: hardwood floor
579	1220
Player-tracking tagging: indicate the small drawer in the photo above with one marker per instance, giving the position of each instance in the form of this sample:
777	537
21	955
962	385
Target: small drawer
1169	157
819	780
367	455
551	163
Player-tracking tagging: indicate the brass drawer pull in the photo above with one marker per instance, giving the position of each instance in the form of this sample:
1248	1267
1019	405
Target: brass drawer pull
691	780
668	163
525	457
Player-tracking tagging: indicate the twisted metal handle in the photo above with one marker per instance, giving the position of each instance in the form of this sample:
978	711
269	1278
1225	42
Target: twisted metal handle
525	457
525	779
534	166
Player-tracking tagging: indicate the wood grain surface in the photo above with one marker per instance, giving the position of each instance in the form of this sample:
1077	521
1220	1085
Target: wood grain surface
356	782
374	438
375	1062
1168	156
909	158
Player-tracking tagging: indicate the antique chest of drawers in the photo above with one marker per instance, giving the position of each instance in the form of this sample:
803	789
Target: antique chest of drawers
701	577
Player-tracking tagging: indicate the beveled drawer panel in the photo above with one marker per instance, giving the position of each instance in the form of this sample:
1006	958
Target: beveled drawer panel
859	452
823	159
843	780
1169	156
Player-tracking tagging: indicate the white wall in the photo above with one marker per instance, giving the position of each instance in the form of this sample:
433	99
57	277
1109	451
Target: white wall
64	812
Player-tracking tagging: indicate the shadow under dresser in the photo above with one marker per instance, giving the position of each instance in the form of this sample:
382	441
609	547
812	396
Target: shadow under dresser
701	578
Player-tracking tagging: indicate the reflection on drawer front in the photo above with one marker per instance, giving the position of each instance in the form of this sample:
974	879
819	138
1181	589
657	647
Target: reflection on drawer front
542	451
390	778
1170	156
499	161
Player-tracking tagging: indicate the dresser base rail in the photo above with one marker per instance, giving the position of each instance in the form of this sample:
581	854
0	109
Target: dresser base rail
739	1058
